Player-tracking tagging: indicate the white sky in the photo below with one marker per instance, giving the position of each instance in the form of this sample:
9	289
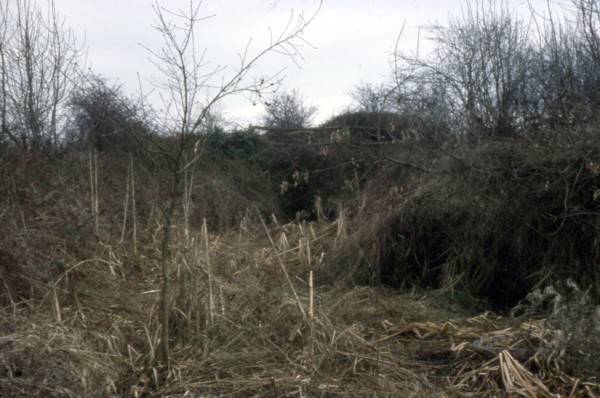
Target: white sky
353	40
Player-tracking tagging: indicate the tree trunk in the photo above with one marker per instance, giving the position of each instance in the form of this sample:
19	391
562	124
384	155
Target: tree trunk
165	307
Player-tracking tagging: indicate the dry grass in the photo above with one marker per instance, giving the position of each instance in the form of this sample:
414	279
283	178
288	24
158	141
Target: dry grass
254	341
240	326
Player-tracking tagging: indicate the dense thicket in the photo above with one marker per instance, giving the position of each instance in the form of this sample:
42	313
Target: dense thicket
495	220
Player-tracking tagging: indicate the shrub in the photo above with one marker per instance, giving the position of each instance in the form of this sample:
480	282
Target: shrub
495	220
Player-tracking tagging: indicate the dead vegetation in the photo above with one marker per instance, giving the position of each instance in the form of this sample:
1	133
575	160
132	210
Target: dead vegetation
255	310
497	219
445	235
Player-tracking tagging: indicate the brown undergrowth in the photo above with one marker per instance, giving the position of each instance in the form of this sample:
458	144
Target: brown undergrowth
256	311
495	219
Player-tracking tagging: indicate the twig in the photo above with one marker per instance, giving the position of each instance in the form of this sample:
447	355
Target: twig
126	205
311	311
211	302
133	210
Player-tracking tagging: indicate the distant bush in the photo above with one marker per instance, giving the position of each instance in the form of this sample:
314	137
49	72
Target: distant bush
288	110
363	126
301	172
235	145
103	118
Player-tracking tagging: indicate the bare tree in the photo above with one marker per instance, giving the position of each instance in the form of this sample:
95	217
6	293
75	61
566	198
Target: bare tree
191	89
104	118
588	19
4	39
564	86
559	68
40	64
482	61
288	110
589	22
374	98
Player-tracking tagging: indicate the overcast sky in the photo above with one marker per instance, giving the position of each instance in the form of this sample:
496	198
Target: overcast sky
352	41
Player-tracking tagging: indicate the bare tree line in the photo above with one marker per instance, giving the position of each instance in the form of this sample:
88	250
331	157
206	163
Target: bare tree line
494	73
490	73
40	60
